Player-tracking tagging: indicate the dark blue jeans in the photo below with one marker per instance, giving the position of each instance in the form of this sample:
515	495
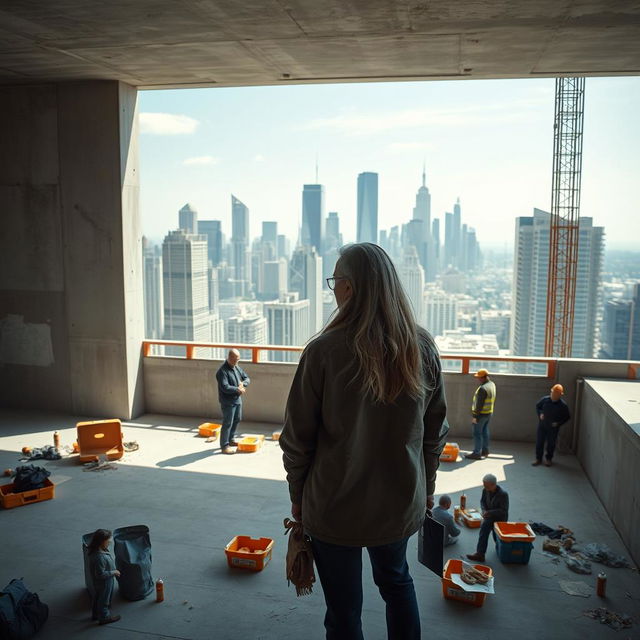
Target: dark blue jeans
548	434
231	415
340	572
486	528
481	434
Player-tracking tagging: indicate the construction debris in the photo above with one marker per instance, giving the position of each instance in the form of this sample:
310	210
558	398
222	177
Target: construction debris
617	621
604	555
581	589
130	446
101	464
578	563
48	452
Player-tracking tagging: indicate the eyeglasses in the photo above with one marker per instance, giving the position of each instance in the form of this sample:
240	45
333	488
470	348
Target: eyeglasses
331	282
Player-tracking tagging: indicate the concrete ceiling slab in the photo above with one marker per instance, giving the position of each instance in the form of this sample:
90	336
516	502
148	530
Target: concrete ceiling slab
164	43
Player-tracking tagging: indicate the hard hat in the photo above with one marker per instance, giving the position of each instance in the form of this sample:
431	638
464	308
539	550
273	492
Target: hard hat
481	373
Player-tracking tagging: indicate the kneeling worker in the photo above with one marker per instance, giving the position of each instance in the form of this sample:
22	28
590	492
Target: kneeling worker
495	508
441	514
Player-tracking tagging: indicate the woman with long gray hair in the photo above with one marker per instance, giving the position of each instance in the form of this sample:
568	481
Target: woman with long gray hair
364	428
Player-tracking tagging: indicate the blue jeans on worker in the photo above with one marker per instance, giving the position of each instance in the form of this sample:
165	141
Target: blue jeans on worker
481	434
101	601
550	435
340	572
231	415
486	528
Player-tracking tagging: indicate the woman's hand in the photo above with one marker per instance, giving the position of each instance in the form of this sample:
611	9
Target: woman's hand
296	512
430	502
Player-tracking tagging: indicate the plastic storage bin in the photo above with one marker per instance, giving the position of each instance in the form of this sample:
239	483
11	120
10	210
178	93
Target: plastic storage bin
514	532
450	452
471	518
256	559
9	500
250	444
209	430
513	552
100	438
452	591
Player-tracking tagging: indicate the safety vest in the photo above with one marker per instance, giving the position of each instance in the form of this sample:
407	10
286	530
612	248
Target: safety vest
489	400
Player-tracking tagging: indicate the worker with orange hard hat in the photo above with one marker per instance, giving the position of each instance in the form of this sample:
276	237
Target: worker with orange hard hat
552	412
481	411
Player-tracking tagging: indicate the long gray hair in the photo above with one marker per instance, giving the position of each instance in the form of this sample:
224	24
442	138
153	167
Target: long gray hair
387	344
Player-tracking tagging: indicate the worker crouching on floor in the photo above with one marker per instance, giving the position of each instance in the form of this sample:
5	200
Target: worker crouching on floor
552	413
103	574
495	508
442	515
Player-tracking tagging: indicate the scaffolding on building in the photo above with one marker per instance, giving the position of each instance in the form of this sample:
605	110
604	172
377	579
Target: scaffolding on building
565	216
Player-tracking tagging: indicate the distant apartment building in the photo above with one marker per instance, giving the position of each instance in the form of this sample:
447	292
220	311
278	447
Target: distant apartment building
529	301
213	230
497	322
152	287
620	334
412	277
440	311
275	279
247	329
305	279
287	325
240	252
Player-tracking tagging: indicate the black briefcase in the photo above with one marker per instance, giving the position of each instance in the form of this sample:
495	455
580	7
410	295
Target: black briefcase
431	545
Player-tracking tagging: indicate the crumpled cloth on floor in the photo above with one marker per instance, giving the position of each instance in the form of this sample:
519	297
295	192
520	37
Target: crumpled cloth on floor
578	563
604	555
299	558
616	621
48	452
29	477
541	529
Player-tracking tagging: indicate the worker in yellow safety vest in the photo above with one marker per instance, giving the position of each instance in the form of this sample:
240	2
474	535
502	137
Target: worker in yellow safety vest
481	411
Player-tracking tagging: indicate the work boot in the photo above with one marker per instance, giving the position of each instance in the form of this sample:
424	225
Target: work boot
233	443
476	557
547	463
536	463
228	450
109	620
485	453
473	456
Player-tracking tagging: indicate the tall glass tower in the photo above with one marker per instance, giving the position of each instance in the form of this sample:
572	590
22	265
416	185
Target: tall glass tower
368	207
312	216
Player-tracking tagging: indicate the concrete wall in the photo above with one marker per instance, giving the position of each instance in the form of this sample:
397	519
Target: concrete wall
71	319
609	451
187	387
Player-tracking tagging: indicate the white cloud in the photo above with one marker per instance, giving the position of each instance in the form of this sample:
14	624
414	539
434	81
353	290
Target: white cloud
258	158
199	160
167	124
403	147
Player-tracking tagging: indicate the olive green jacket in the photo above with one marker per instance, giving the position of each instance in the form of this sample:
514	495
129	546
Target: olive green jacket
361	470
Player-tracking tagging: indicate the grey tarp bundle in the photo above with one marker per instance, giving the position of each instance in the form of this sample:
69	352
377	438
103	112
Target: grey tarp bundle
88	580
132	550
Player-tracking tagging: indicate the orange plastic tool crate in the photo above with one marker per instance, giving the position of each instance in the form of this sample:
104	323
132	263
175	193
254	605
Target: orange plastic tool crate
471	518
514	532
250	444
100	437
450	452
256	559
209	430
452	591
9	500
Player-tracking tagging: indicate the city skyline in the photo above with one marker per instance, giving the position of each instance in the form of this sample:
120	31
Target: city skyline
487	142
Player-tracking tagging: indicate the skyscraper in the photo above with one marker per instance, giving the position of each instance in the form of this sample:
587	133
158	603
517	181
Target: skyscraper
270	235
440	312
456	232
274	283
188	219
152	286
305	278
448	240
435	243
529	301
241	257
186	289
422	212
412	278
213	230
367	207
616	330
287	325
250	329
332	244
312	232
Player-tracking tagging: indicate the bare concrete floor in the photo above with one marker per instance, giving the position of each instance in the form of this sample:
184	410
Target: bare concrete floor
195	500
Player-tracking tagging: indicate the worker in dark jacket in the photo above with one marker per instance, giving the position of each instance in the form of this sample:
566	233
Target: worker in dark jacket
481	411
232	385
552	412
495	508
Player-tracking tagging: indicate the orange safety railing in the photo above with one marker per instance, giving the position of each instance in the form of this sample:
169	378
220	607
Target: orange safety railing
465	360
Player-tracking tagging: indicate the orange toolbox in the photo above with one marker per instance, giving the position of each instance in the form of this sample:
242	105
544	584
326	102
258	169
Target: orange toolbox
471	518
9	500
244	552
514	532
209	430
450	452
452	591
100	438
250	444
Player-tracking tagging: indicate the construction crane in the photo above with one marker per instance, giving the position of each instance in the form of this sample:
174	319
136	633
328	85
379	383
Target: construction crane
565	216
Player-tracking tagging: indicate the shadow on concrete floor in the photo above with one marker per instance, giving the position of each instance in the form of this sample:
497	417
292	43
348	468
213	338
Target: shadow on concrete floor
181	461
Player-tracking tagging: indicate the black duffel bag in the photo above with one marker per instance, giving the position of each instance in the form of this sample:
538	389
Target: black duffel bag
132	550
21	612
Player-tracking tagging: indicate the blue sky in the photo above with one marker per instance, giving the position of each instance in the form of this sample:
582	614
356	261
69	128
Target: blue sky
488	142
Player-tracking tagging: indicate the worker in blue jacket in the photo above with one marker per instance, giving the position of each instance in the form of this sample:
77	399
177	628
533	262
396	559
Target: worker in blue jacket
232	385
552	412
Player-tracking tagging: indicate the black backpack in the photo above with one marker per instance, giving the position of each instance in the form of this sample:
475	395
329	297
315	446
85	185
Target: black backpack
21	612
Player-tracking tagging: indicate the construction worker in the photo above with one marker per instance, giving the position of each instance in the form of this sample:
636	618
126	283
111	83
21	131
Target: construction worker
481	412
552	413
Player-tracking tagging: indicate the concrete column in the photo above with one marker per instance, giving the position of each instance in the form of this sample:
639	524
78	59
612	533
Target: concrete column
71	318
